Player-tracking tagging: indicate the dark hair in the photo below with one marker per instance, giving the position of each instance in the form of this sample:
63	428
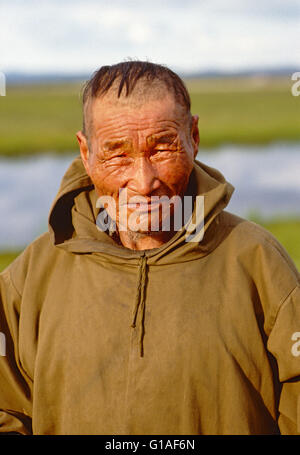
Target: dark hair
129	73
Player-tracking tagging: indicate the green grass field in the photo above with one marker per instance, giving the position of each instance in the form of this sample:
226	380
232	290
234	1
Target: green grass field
43	118
6	258
286	231
245	111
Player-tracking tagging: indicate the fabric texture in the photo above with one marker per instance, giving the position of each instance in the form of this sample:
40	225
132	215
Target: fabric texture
189	338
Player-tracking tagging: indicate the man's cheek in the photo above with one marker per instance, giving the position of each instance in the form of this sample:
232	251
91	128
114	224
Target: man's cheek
105	183
176	173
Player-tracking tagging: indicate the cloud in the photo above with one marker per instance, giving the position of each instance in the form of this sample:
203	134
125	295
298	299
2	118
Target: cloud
80	35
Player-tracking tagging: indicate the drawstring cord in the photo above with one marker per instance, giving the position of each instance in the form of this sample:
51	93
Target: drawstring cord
140	301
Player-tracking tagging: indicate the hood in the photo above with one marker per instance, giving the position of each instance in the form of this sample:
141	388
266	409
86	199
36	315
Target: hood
72	218
72	226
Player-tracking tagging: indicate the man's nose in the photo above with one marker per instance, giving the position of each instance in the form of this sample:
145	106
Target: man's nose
144	179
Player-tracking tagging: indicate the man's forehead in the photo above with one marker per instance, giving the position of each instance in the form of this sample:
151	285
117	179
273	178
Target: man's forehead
122	113
111	103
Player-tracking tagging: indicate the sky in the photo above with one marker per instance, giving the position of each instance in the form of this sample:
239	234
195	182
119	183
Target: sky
78	36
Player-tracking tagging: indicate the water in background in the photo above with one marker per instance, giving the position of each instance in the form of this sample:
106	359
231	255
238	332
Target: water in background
266	178
266	181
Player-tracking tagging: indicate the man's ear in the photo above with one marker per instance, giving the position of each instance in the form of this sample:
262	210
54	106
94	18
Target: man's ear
84	150
195	136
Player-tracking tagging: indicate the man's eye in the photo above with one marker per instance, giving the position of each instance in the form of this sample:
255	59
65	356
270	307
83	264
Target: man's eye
111	155
121	158
161	152
160	155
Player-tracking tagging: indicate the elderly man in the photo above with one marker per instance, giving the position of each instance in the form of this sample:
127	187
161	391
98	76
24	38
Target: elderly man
118	327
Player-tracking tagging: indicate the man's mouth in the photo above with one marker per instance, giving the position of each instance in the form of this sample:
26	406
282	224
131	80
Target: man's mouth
143	207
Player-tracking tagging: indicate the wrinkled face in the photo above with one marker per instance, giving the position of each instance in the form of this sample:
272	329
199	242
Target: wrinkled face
148	149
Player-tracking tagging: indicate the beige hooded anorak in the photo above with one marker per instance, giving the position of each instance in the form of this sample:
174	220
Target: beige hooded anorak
190	338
